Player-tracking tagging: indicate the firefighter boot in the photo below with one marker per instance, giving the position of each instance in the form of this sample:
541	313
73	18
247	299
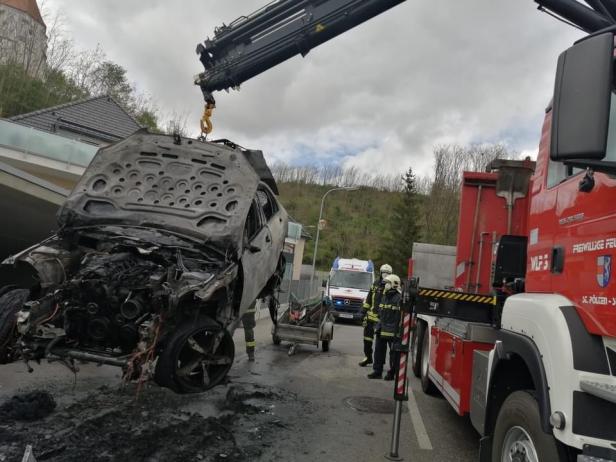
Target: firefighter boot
366	361
390	375
251	354
375	375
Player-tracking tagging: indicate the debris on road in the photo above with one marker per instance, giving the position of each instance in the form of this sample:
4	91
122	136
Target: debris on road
30	406
111	424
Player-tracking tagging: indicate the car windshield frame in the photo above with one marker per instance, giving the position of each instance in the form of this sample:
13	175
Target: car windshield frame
351	279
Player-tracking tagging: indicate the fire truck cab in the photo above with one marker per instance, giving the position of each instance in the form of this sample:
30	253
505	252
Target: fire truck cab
527	343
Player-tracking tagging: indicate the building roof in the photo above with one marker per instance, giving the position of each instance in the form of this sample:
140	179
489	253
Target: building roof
101	118
27	6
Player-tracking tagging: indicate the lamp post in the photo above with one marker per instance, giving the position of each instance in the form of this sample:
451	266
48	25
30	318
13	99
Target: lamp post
316	241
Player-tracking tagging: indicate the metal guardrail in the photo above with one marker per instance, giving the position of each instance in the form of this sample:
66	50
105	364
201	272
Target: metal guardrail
29	140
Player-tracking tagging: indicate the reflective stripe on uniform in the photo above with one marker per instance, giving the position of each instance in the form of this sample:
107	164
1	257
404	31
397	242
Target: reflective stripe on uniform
251	344
368	339
387	334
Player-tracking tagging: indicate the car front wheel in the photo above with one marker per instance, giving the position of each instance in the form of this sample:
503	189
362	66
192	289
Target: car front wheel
197	357
11	302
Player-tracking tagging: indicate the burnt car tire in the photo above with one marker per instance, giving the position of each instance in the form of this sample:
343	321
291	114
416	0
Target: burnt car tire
10	303
190	361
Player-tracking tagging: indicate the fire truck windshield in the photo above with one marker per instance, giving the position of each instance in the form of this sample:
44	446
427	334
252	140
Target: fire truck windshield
351	279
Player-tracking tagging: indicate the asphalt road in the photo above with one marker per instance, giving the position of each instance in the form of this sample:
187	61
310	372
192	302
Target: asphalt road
315	400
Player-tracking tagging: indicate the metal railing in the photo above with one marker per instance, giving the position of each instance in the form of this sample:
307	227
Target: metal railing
303	291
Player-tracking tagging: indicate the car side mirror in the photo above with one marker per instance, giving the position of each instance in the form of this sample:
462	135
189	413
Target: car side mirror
324	283
582	97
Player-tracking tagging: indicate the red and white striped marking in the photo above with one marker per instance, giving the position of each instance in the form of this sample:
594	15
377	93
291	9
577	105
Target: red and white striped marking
401	379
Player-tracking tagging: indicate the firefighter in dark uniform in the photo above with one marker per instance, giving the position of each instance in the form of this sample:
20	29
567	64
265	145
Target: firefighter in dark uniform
249	323
371	318
389	319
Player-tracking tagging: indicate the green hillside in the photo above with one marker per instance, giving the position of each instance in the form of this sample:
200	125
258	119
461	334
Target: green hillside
358	222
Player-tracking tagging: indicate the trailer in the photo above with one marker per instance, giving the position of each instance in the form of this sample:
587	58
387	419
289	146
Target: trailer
309	324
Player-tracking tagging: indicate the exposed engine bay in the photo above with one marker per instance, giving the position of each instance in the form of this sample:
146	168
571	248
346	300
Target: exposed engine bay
158	300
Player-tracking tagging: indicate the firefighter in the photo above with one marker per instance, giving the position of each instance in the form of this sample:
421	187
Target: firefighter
389	318
249	323
370	317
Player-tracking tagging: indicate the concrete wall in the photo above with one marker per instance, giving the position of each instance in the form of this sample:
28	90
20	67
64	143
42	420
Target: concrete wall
434	265
22	40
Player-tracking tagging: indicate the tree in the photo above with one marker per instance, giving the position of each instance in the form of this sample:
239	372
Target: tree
404	226
442	203
109	78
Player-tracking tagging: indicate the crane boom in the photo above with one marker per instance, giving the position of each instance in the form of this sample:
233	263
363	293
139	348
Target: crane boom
282	29
591	16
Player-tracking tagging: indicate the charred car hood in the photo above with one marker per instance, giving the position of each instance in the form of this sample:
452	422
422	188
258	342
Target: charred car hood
197	189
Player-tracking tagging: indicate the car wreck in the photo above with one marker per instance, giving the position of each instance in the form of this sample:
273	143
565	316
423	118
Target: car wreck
161	247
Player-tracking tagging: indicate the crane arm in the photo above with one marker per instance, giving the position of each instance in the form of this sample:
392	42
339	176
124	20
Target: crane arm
590	16
282	29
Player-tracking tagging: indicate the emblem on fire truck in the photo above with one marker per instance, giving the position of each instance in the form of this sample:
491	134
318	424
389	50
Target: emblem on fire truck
604	270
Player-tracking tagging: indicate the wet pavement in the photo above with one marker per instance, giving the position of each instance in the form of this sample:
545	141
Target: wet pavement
311	406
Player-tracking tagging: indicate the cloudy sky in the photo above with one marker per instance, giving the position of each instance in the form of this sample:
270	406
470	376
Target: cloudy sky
378	97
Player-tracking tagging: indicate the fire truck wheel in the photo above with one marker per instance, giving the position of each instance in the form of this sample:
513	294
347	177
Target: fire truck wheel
426	384
518	434
11	302
416	342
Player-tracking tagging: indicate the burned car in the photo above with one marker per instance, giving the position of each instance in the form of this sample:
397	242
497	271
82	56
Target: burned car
161	247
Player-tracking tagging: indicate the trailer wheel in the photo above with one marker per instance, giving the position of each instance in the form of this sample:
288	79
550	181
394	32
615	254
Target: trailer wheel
426	384
10	303
518	434
197	357
416	343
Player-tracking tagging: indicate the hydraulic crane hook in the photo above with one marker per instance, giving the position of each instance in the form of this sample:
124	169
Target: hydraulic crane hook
208	111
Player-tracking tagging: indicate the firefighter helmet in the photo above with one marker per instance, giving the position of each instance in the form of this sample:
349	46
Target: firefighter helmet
392	282
385	269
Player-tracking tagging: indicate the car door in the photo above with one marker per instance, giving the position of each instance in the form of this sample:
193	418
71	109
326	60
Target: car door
257	244
276	223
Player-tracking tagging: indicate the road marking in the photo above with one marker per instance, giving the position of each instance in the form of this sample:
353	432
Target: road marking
420	430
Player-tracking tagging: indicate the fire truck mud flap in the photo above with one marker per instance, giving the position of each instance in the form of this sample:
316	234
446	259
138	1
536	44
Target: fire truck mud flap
510	348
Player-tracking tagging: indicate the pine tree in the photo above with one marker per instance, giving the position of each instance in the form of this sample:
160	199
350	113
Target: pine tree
404	227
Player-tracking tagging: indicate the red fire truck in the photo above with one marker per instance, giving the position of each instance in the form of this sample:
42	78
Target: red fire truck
526	344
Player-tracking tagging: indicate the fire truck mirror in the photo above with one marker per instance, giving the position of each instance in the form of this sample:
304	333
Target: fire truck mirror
581	105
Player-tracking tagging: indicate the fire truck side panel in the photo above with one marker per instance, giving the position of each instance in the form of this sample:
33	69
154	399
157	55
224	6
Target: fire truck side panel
482	221
451	366
542	318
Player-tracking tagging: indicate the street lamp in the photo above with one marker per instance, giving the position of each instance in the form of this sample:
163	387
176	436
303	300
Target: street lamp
316	241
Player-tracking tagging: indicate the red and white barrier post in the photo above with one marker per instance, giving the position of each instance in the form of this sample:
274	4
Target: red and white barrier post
401	384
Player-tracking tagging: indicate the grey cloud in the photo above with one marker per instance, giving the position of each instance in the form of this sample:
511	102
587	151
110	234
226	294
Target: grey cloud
421	74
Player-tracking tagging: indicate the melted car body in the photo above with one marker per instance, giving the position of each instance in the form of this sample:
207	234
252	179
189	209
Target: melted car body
162	246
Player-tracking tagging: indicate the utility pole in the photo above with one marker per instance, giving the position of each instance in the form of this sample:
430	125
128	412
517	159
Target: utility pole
316	241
